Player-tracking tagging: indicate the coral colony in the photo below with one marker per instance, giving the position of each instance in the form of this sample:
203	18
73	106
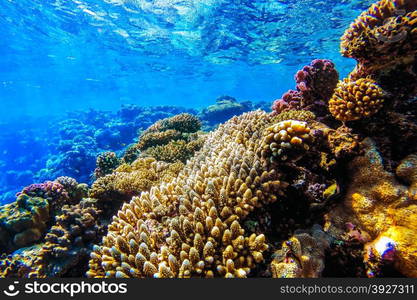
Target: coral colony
324	185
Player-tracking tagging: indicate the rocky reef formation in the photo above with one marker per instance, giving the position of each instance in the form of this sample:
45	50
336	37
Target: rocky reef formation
325	185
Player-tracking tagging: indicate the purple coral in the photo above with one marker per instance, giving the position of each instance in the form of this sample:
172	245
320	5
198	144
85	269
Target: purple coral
315	84
48	189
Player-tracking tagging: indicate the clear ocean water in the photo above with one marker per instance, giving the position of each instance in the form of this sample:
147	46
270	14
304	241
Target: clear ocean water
59	57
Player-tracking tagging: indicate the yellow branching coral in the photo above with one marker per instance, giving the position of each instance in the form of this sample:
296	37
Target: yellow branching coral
382	207
386	32
354	100
191	226
158	138
129	180
286	140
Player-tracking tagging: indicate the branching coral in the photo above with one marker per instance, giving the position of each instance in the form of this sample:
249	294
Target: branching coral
176	150
106	163
286	140
353	100
315	84
129	180
191	226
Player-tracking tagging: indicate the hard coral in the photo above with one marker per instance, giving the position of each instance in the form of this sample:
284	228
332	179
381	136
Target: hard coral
383	35
315	84
191	226
105	164
23	222
354	100
382	207
286	140
302	256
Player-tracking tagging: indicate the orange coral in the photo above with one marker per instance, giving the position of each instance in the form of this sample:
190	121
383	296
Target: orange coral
381	206
354	100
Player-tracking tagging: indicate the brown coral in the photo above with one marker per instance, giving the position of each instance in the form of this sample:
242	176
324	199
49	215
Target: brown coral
354	100
302	256
384	34
23	222
129	180
191	226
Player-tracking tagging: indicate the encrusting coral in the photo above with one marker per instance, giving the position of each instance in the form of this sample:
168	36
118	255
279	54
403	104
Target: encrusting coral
353	100
191	226
384	34
378	204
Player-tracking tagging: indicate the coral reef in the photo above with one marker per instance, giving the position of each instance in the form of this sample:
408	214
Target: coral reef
383	208
302	256
23	222
286	140
353	100
191	225
106	163
315	84
225	108
383	35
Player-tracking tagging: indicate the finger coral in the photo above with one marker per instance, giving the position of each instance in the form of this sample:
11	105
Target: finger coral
354	100
191	226
286	140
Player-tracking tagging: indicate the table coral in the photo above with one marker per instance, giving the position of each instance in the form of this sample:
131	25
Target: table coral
191	226
354	100
381	206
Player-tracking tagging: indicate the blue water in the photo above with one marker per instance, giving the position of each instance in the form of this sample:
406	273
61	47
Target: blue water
58	57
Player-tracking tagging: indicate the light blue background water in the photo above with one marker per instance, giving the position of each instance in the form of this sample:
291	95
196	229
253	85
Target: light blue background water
58	55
